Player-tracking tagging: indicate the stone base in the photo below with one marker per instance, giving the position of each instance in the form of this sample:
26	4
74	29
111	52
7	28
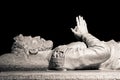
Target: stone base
61	75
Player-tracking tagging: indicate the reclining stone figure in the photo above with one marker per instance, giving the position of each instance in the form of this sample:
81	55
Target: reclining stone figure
90	53
28	53
35	53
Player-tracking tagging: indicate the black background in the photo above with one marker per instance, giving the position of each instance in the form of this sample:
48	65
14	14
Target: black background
53	20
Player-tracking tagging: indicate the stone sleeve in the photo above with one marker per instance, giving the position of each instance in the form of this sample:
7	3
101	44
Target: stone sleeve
97	51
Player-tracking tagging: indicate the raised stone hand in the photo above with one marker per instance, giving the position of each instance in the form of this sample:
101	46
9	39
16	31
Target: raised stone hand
81	27
63	51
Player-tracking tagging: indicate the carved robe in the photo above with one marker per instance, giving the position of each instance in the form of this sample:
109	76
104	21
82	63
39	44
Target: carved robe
96	54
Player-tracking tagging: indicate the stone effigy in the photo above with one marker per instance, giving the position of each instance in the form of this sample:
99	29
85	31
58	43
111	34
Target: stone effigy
35	53
28	53
90	53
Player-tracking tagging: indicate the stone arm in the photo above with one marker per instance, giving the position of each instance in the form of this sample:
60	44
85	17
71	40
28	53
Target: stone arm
76	55
96	52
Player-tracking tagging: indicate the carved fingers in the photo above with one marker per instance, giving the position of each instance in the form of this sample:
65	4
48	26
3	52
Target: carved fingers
81	27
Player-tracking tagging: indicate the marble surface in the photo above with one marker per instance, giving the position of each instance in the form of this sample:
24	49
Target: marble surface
61	75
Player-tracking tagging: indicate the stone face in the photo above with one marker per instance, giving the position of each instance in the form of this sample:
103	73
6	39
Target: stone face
30	45
28	53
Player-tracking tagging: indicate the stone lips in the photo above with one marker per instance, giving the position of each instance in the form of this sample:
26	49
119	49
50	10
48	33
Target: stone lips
28	53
